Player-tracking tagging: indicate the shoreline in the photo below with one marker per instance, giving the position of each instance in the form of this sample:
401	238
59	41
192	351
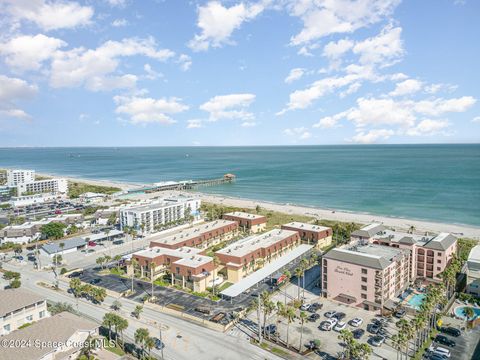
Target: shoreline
459	230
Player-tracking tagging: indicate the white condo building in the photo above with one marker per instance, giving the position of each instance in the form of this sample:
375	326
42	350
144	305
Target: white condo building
44	186
17	177
159	213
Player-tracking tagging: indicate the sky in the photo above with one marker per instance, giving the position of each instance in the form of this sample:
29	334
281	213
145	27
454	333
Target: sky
215	73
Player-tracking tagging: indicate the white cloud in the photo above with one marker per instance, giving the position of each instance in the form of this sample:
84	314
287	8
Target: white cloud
91	67
49	15
143	110
428	127
384	49
329	122
117	3
434	88
372	136
185	62
406	87
248	124
218	22
334	50
151	74
28	52
324	17
295	74
119	22
476	119
301	133
194	124
231	106
440	106
11	91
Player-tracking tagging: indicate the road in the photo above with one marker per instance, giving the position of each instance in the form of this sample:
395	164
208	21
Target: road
184	340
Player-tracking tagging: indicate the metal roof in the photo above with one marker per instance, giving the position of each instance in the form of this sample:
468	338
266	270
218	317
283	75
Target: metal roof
269	269
68	244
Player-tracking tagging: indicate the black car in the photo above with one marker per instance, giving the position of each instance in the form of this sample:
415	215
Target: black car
442	339
450	331
373	328
94	281
313	317
159	345
271	329
358	333
400	313
314	307
339	316
76	274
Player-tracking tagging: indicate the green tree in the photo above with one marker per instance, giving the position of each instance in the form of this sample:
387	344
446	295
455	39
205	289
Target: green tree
289	315
303	316
108	321
15	283
116	305
149	344
140	336
137	311
53	230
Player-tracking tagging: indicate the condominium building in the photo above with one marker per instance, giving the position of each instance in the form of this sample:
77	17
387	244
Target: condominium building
472	270
248	222
16	177
320	236
429	254
200	236
149	218
59	337
186	266
247	255
43	186
19	307
365	275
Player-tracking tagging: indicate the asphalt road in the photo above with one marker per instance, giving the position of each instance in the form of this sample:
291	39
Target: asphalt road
184	340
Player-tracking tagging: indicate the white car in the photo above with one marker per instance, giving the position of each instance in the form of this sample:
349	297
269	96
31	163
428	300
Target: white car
330	314
328	325
340	326
356	322
305	307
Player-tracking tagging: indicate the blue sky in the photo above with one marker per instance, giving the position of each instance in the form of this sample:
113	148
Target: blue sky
165	73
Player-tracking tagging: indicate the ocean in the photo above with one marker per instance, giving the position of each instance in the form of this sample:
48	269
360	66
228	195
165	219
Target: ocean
427	182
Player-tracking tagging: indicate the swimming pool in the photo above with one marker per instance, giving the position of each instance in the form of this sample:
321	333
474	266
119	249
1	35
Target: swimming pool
416	300
460	312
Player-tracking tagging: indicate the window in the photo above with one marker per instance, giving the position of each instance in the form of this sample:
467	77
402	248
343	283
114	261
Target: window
438	268
439	253
364	279
29	318
364	296
364	271
364	288
177	270
6	327
41	314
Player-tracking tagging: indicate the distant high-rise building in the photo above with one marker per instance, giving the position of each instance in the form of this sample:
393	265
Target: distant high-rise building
16	177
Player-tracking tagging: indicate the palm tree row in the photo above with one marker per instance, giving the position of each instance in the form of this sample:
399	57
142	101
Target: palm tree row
119	324
353	349
143	338
90	292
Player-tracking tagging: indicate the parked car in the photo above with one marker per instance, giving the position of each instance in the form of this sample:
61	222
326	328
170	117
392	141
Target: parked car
400	313
159	344
442	339
356	322
358	333
440	351
450	331
341	325
94	281
314	307
305	307
373	328
328	325
313	317
382	331
377	340
433	356
339	315
271	329
75	274
330	314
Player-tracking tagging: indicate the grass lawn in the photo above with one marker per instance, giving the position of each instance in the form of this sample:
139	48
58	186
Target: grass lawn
114	349
75	189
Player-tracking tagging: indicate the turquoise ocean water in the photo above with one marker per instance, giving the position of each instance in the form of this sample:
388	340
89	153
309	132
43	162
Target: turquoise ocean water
434	182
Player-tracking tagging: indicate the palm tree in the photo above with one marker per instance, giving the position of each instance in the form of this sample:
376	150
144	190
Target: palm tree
397	343
268	308
469	314
280	312
289	316
116	305
298	273
141	335
216	262
287	275
138	310
152	270
100	260
108	321
303	266
149	344
303	316
134	263
117	259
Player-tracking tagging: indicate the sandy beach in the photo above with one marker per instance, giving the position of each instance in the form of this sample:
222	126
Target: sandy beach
397	223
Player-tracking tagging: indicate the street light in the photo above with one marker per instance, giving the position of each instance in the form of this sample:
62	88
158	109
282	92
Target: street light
162	345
